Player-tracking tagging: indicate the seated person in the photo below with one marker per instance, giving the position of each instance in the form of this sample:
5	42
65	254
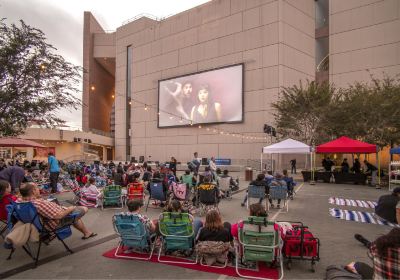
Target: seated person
57	214
213	238
100	180
345	166
278	182
268	176
5	198
188	179
289	183
208	173
260	181
92	193
388	207
147	174
213	229
257	210
385	255
176	207
134	208
234	184
207	183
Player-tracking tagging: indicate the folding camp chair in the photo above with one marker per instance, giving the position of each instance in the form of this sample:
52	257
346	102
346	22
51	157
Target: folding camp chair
179	191
258	240
224	185
255	192
135	191
279	192
177	234
156	193
133	234
208	197
3	228
26	213
112	196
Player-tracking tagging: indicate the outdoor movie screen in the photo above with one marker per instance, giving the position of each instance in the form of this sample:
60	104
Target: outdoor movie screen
214	96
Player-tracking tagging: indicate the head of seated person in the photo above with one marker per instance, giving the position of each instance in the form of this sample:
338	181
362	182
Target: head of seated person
226	172
175	206
257	210
29	191
259	181
207	179
214	229
135	205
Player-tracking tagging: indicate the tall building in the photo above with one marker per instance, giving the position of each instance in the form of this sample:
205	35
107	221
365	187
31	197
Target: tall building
278	42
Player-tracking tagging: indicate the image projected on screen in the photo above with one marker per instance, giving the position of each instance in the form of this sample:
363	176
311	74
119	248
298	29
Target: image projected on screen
214	96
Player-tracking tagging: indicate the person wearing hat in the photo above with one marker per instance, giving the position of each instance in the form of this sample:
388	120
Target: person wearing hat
388	207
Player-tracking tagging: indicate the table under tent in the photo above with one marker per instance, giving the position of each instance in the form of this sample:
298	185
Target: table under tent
345	145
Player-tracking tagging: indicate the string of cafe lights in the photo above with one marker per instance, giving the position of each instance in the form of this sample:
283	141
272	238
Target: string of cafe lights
181	119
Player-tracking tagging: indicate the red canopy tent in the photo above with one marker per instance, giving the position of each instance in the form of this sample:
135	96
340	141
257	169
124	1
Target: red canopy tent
346	145
18	142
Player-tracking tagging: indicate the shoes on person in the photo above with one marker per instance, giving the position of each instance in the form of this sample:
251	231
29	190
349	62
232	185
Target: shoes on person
242	204
278	206
272	205
90	236
378	187
362	239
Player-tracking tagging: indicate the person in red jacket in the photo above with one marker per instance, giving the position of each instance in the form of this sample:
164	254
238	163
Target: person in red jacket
5	198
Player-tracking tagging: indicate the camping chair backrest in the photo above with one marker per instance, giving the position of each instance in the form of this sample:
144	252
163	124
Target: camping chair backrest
112	191
180	190
176	224
187	179
135	190
132	231
207	193
25	212
278	192
256	191
157	191
224	183
258	238
177	230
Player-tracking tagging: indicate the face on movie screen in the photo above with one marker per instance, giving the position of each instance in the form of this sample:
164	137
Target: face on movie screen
214	96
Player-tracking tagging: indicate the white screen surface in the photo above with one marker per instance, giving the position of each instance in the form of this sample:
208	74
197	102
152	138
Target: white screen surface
214	96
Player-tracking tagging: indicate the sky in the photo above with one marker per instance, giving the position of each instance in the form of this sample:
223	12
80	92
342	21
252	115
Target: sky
62	23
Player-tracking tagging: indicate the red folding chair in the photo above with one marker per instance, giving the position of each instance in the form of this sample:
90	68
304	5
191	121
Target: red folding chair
135	191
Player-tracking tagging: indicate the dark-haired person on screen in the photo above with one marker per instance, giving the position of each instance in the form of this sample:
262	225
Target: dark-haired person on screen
206	110
182	97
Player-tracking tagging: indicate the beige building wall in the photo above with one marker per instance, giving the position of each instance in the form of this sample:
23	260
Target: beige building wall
364	35
273	38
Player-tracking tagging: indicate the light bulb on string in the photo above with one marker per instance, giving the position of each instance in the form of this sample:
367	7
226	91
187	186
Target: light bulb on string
191	123
199	126
145	107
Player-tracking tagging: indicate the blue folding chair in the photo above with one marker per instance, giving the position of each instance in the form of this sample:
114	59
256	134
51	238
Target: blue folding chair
279	192
255	192
26	213
133	234
156	193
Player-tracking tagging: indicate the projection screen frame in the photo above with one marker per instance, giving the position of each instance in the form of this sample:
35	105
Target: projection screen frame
194	73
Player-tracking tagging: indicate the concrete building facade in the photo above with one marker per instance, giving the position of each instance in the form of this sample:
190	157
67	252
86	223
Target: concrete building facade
280	42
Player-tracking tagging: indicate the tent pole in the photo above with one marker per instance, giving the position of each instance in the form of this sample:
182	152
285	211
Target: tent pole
261	169
379	167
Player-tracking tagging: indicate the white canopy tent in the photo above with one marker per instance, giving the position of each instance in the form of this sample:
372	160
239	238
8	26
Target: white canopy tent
288	146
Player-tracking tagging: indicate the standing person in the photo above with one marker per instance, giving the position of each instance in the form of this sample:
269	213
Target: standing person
14	175
54	171
356	166
213	167
172	165
206	110
293	165
373	170
197	162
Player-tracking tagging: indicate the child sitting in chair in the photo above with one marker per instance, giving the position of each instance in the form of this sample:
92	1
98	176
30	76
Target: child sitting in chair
91	191
5	198
134	208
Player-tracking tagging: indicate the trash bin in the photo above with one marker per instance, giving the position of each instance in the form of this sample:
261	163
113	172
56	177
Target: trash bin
248	174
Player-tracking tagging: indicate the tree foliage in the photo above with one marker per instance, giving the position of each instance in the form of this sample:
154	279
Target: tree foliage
317	113
300	111
34	80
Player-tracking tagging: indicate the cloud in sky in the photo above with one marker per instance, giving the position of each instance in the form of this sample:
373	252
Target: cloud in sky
62	22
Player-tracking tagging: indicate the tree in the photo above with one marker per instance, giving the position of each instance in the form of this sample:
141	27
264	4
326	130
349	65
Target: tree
368	111
34	80
300	111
